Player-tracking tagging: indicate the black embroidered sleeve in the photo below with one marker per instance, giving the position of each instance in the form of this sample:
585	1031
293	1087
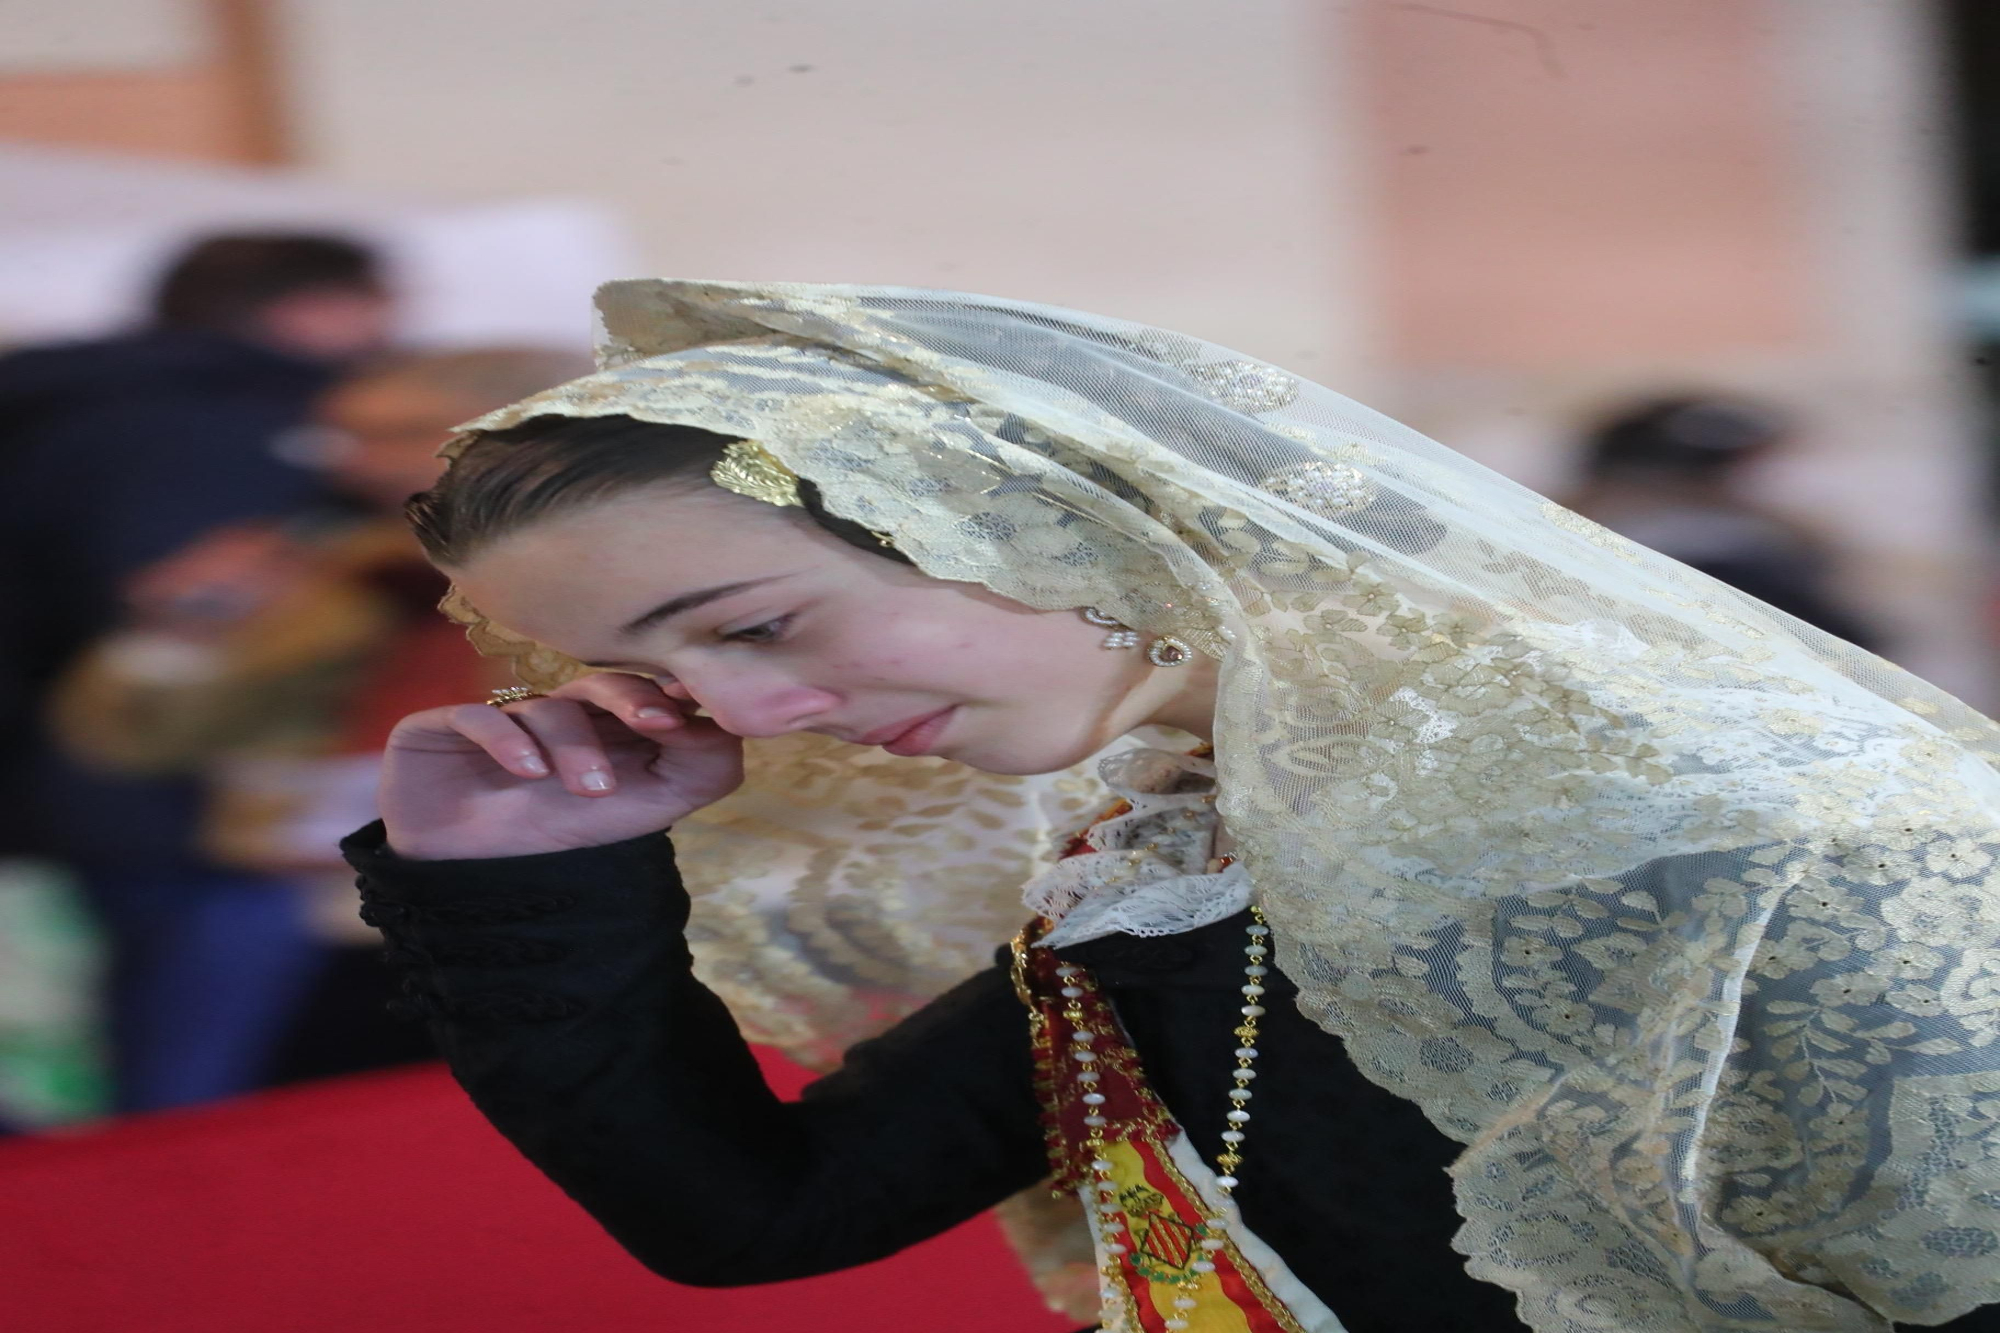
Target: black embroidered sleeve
561	991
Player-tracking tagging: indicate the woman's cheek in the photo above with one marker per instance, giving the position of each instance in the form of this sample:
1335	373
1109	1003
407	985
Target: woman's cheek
897	645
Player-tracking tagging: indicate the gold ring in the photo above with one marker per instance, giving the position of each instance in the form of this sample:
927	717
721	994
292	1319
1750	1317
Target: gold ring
514	694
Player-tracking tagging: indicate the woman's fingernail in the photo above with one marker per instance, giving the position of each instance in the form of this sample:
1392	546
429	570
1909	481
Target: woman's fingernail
595	780
536	765
654	710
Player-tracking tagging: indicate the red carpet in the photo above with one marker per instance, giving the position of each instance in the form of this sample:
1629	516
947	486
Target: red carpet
384	1204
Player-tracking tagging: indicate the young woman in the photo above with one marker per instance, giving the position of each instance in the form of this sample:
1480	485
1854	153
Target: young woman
1492	843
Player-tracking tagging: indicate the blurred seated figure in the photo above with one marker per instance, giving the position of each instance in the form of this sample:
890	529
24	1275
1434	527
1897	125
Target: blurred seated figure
268	661
114	453
1667	473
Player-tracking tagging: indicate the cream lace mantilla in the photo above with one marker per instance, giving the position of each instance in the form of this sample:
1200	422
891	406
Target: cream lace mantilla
1679	914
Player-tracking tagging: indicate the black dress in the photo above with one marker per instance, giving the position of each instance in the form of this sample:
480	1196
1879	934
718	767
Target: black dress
559	988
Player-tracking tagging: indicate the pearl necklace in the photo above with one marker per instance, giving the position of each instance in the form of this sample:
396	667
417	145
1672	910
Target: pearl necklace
1246	1054
1084	1055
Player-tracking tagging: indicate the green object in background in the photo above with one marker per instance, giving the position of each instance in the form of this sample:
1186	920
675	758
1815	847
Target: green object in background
51	1067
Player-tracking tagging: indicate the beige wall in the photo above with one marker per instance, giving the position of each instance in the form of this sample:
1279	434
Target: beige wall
1574	202
1572	182
151	78
102	35
1161	159
186	113
1488	218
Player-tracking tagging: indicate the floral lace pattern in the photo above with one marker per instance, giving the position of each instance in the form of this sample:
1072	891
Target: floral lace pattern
1675	911
817	887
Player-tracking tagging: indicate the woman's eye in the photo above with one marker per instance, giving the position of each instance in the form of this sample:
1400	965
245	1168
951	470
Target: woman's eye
770	631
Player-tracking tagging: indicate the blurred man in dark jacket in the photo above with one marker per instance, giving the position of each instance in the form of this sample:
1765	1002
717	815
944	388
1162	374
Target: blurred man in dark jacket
1668	473
113	454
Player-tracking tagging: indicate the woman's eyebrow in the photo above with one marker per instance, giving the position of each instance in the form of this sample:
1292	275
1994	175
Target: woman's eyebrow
688	601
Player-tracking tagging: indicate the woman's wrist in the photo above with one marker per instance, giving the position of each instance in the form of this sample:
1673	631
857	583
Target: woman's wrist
413	845
618	887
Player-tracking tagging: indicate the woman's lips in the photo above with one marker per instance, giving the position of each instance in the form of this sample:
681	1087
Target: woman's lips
914	737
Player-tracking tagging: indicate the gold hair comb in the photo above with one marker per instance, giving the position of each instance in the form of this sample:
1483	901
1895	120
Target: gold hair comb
748	468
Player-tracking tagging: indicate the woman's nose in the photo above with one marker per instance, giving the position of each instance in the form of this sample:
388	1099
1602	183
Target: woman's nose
755	711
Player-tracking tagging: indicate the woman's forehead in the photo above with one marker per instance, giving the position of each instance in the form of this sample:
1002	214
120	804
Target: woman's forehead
585	565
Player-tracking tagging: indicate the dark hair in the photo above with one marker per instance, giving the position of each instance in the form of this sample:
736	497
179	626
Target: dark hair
1692	435
546	466
223	282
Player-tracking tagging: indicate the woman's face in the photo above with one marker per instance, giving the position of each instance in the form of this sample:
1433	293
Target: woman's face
771	625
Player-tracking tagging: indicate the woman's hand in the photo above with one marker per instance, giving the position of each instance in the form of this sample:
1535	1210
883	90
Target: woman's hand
605	758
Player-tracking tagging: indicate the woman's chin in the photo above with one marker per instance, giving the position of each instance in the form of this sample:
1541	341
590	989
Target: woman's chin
1022	758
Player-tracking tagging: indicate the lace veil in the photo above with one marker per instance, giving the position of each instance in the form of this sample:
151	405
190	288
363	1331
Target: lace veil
1674	910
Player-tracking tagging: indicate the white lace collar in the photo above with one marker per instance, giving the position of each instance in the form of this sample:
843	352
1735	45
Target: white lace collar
1146	871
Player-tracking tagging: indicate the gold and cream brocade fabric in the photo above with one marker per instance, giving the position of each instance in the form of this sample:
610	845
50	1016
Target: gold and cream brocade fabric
1676	912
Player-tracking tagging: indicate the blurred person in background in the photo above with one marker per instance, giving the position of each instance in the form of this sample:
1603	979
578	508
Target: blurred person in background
1668	473
268	661
114	453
